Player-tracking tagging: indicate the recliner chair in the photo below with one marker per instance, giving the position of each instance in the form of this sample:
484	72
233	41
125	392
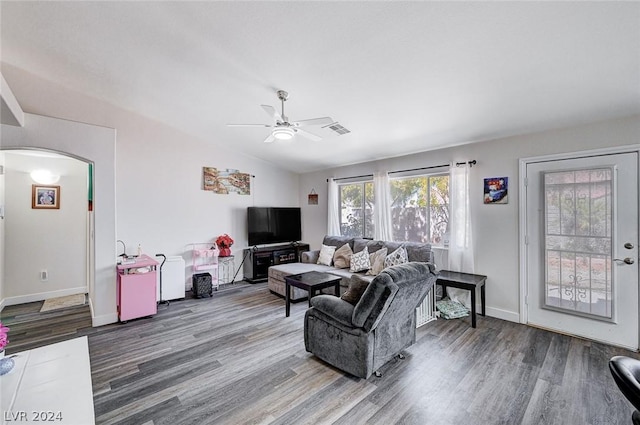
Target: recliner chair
360	339
626	373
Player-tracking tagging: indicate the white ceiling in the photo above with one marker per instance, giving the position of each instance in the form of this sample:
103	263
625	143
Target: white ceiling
402	76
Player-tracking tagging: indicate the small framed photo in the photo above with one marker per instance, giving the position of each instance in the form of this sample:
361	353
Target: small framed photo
496	190
45	197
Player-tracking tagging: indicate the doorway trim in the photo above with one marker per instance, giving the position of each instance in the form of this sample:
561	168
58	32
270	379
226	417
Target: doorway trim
522	207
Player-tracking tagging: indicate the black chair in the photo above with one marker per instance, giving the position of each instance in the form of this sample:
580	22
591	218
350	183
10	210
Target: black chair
626	373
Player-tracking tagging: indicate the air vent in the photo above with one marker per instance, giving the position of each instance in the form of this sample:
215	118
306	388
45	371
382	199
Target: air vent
338	128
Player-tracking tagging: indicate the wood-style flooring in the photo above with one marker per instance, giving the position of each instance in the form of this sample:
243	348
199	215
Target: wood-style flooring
31	329
236	359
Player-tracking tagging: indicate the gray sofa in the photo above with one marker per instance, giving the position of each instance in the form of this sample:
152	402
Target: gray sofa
362	338
419	252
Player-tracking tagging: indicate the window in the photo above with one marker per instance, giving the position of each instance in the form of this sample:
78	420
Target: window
420	208
578	208
356	209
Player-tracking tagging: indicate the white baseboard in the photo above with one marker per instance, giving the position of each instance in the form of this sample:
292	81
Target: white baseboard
105	319
510	316
2	304
90	307
41	296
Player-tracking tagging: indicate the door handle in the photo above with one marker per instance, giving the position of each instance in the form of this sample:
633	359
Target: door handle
627	260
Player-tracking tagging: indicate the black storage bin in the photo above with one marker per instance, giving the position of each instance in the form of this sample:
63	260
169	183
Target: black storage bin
202	285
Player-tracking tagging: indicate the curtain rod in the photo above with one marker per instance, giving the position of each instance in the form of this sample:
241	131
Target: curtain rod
471	163
419	169
398	171
352	177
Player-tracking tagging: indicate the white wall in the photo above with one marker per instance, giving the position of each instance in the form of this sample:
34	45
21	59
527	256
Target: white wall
161	204
91	144
2	231
159	201
495	227
10	111
53	240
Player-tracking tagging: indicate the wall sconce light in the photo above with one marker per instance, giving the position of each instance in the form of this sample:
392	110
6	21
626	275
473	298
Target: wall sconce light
44	177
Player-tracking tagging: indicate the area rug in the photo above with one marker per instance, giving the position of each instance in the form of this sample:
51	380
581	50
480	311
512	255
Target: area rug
63	302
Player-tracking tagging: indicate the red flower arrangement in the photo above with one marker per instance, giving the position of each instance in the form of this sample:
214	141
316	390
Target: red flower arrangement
224	242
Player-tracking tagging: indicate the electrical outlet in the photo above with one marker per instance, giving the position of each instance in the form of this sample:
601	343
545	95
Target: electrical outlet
44	275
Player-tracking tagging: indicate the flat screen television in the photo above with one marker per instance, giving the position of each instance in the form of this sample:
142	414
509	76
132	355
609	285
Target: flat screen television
269	225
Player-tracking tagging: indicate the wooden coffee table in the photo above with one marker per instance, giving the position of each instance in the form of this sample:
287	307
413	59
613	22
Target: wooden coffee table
312	282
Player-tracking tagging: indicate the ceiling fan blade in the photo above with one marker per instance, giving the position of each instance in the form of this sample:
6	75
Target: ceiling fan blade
269	139
249	125
308	135
314	121
272	112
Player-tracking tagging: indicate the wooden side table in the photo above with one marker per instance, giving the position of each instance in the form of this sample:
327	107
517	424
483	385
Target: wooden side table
466	281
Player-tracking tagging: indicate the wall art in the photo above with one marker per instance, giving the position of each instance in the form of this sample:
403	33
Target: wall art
226	181
313	197
45	197
496	190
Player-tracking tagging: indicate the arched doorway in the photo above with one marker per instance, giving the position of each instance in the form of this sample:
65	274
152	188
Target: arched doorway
47	245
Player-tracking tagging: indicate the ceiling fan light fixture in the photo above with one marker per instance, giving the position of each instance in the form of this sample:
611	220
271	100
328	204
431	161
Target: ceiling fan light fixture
283	133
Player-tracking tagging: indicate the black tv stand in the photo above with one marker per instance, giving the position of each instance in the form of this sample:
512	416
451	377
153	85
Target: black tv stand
256	268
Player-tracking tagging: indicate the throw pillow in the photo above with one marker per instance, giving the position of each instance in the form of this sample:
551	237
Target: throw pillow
377	262
342	257
360	261
399	256
326	255
357	286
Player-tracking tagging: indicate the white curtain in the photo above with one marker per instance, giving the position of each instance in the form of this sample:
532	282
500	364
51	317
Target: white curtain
461	257
333	201
382	207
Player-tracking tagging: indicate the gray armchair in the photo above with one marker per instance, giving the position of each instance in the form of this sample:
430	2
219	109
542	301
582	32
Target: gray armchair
360	339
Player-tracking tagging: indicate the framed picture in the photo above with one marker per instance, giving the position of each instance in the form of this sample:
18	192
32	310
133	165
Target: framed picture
224	182
496	190
45	197
313	197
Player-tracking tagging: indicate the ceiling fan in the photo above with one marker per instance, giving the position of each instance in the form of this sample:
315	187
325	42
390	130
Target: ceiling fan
283	129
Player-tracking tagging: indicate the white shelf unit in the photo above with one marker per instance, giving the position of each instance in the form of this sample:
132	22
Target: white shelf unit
205	260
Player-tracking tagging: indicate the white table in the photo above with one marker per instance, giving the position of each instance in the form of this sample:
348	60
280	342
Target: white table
50	384
226	269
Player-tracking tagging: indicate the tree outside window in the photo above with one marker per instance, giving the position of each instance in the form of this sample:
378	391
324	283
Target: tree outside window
356	209
420	208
